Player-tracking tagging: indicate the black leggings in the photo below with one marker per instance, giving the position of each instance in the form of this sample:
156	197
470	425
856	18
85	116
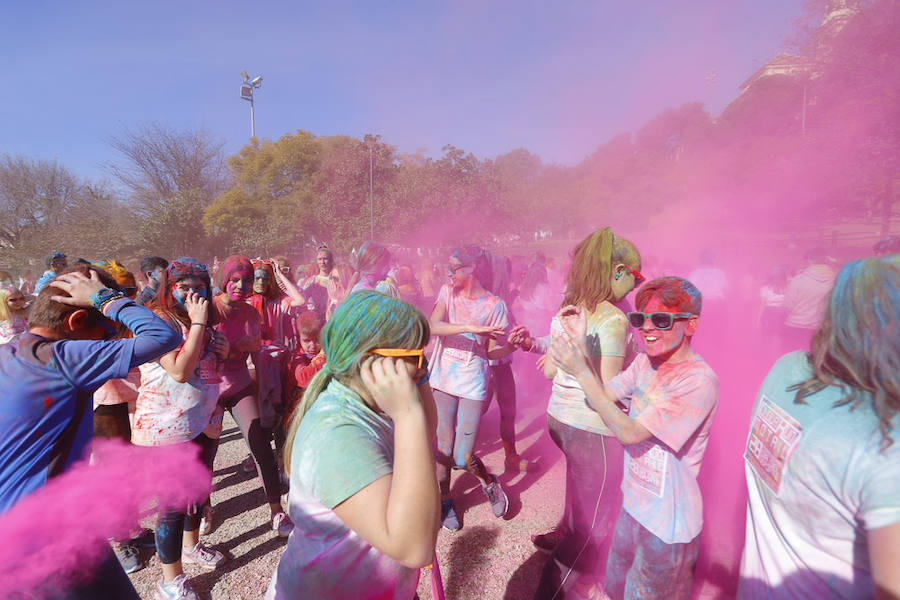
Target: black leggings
173	524
245	412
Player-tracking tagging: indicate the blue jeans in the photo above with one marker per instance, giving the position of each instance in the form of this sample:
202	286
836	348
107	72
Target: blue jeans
642	566
594	465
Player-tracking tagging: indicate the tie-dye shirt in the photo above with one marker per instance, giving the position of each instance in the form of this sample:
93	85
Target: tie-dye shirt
606	328
459	363
818	480
340	448
676	403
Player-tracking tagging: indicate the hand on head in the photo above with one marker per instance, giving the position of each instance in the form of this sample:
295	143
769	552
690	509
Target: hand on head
79	287
390	384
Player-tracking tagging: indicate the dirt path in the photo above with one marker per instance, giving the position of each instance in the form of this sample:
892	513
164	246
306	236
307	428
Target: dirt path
487	559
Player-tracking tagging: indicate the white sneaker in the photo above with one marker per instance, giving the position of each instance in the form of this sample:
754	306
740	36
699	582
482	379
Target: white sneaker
282	524
206	520
177	589
202	556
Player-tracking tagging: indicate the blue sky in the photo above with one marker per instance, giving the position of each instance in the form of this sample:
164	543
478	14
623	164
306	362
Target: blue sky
557	78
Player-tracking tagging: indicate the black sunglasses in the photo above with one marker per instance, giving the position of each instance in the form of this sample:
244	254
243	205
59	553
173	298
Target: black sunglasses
660	320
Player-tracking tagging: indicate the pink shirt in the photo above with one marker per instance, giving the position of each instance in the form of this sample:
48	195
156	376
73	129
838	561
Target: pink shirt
239	322
676	403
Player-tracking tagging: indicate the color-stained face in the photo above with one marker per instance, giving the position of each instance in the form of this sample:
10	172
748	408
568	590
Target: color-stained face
459	274
155	276
186	286
664	343
239	284
15	301
309	344
625	282
262	281
323	260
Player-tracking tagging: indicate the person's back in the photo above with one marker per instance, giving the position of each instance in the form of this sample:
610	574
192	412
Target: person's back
816	482
822	462
807	293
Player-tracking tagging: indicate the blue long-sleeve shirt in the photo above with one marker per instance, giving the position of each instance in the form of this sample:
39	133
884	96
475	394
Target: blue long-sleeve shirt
47	389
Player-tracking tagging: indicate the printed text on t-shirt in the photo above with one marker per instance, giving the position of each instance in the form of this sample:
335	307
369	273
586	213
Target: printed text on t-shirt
773	436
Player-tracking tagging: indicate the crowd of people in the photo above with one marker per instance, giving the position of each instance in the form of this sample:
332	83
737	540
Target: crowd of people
359	387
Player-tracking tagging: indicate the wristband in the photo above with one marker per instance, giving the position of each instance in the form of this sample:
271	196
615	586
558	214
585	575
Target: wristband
104	296
200	324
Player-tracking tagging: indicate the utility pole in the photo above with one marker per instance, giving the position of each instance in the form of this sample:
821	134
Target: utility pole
247	88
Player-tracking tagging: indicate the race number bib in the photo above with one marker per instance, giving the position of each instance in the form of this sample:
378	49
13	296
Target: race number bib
774	434
647	467
458	349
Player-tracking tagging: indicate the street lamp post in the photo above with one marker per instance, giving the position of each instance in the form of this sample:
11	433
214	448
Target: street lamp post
247	88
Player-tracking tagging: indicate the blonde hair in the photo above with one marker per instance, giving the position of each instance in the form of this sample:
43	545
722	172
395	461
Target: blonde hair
5	312
593	260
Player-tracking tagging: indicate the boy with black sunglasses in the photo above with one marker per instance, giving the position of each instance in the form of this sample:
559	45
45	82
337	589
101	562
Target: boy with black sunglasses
672	396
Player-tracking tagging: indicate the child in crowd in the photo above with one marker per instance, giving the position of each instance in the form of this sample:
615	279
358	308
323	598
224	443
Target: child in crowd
467	320
308	358
673	395
372	263
605	268
822	459
339	285
152	268
240	324
363	491
13	316
502	381
47	377
56	262
176	400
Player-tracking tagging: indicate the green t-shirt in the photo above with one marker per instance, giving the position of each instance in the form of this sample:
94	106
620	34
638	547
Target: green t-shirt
341	446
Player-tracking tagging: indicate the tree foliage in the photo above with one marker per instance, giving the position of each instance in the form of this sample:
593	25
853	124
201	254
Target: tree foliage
794	149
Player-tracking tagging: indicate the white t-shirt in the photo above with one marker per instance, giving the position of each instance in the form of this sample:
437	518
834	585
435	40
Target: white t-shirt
677	404
169	412
459	364
606	329
818	480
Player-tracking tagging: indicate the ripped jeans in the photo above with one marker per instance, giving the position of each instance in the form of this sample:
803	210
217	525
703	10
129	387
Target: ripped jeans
458	421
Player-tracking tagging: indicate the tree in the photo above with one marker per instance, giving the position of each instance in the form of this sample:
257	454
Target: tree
44	208
171	177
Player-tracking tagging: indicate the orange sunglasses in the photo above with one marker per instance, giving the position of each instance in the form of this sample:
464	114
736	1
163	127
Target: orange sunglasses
401	353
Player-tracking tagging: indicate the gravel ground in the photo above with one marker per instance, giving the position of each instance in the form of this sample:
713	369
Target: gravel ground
488	558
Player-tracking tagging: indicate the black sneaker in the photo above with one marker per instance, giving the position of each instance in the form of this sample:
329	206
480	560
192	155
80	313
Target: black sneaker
496	496
547	542
129	557
145	538
449	520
